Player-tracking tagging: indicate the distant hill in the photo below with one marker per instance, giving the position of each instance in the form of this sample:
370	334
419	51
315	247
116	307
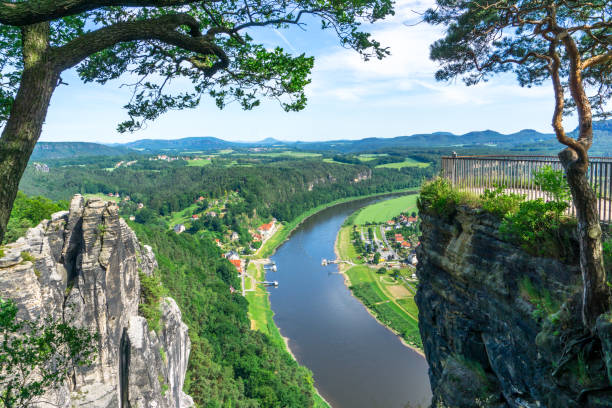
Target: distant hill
188	143
60	150
522	141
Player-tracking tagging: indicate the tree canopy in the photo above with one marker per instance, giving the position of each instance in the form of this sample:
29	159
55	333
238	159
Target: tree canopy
204	44
566	41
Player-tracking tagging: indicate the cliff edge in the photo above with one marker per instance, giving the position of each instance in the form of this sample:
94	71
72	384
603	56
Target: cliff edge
500	327
83	265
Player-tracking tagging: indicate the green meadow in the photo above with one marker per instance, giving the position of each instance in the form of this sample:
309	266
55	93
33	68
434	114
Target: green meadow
385	210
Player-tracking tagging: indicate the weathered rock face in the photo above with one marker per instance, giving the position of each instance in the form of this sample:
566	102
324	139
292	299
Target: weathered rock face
501	327
86	270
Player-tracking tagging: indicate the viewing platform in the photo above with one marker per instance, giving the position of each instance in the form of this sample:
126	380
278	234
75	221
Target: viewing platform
516	175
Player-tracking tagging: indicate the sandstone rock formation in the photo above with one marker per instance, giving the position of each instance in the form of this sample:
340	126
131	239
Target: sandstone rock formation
86	269
502	328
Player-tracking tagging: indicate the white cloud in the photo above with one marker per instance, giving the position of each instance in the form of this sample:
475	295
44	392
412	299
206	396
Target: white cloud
407	75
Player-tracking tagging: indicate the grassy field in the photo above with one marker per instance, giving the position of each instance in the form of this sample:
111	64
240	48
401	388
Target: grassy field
198	162
260	313
103	197
370	157
182	216
330	160
406	163
390	300
385	210
346	250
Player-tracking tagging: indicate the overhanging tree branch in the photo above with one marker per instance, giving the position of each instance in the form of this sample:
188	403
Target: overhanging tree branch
597	59
163	29
36	11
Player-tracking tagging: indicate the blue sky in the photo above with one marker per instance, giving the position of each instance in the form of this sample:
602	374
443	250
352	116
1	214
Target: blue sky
348	98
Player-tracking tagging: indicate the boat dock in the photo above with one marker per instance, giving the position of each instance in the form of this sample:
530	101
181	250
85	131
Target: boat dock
269	283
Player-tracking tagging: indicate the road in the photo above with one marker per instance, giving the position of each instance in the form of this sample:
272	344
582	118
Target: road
384	237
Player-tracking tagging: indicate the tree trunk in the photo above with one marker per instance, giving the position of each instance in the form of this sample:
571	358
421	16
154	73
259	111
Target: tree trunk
596	294
28	113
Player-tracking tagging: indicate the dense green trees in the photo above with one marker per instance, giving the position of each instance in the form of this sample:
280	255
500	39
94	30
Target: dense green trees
28	212
230	365
280	189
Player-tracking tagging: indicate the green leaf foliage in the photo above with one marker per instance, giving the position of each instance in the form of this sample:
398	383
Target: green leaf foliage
500	203
28	212
488	37
151	292
37	355
540	229
212	53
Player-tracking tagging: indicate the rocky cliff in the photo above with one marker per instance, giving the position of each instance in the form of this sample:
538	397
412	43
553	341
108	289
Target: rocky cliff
83	266
501	328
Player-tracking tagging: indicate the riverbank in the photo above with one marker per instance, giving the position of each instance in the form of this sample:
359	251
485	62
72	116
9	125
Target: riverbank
283	233
260	311
388	299
262	317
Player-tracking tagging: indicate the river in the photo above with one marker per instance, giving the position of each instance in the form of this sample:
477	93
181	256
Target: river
356	362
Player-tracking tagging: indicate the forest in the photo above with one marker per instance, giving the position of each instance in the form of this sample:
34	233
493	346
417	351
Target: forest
229	365
282	189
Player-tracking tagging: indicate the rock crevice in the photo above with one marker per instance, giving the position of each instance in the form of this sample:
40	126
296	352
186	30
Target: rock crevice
86	271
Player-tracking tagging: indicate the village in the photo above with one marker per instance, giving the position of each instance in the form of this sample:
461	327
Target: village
392	243
239	241
376	251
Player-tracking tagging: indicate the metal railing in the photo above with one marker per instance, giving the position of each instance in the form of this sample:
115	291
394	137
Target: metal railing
515	174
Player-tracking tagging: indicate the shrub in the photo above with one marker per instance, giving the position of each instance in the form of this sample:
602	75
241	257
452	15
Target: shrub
27	257
553	182
499	203
439	197
539	228
151	292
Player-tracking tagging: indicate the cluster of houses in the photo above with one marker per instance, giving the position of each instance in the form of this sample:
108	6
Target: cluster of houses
41	167
124	163
400	220
265	231
167	158
399	238
125	198
235	260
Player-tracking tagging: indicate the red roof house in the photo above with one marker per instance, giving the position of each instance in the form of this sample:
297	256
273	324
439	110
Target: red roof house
237	263
265	227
